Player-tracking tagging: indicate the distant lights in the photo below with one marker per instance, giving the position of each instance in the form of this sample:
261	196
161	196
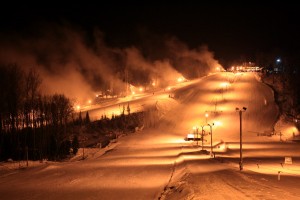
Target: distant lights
224	84
278	60
180	79
218	123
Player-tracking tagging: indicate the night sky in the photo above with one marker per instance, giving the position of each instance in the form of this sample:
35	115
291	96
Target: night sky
230	31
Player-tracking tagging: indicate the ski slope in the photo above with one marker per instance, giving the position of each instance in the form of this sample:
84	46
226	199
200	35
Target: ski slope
157	163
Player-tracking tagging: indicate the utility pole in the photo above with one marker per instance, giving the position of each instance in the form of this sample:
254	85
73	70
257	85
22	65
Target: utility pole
241	142
211	148
202	134
241	136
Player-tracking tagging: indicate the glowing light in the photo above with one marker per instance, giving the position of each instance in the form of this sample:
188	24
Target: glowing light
78	107
141	89
153	84
224	84
218	68
180	79
89	101
97	95
218	123
278	60
206	115
168	88
295	129
132	92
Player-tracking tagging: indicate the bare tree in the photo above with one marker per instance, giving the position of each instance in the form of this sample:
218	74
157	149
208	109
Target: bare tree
14	94
32	84
31	91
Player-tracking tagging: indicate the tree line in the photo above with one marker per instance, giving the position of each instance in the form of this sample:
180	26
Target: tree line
32	125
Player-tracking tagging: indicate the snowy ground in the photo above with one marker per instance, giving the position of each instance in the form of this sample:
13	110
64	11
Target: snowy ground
221	179
159	164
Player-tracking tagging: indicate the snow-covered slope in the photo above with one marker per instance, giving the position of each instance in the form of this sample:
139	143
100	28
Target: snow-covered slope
158	163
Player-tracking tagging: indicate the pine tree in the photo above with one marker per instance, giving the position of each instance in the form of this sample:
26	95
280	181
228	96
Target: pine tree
123	111
128	109
80	118
75	144
87	118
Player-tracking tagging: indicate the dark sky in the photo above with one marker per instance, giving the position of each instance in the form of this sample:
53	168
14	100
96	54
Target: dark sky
231	31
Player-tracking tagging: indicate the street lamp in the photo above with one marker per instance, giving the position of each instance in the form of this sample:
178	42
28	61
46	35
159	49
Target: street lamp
211	149
241	143
202	134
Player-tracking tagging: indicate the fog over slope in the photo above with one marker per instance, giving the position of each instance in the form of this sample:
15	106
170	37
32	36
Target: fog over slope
80	63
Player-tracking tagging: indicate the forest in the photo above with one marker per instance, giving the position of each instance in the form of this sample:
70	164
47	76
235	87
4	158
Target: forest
35	126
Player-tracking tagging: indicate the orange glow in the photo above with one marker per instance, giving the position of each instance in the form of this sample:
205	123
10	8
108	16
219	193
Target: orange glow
141	89
153	84
218	123
224	84
132	92
89	101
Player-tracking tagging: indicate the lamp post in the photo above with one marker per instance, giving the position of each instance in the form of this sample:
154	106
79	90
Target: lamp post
202	134
211	148
241	136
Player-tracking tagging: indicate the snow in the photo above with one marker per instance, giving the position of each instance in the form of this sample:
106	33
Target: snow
157	163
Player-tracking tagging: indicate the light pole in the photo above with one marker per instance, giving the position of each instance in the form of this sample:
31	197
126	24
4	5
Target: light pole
211	149
241	138
202	134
